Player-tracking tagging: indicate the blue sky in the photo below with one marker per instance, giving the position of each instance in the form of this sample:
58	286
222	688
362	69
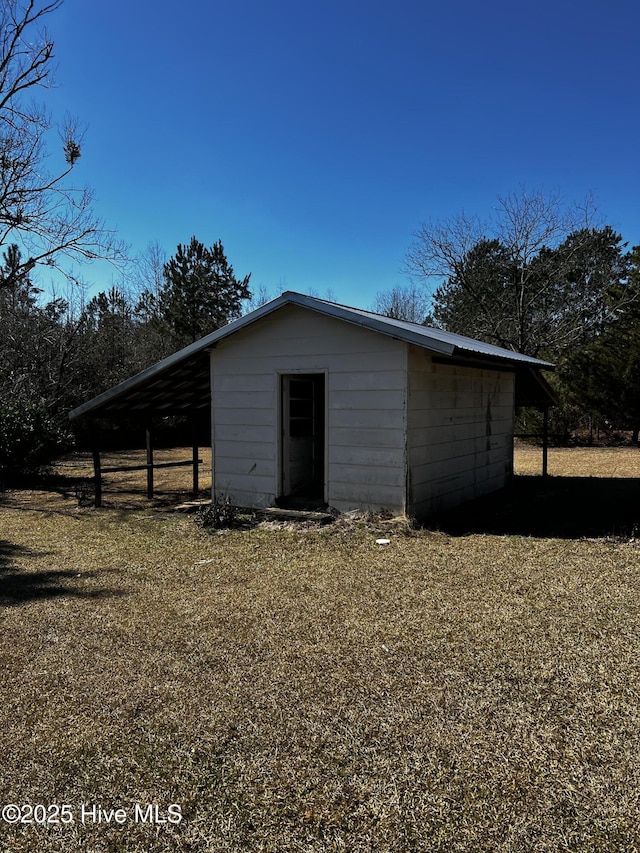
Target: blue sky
314	138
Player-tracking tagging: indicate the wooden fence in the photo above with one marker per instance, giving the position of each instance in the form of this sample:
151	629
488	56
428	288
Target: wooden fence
149	466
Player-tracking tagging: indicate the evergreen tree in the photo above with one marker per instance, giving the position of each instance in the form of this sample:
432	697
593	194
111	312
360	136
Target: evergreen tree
109	341
199	294
604	376
541	280
477	300
33	348
559	298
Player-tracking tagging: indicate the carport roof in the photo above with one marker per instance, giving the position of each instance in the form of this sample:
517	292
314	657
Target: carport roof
180	384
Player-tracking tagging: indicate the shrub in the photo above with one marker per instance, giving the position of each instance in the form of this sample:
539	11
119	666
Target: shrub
219	514
29	436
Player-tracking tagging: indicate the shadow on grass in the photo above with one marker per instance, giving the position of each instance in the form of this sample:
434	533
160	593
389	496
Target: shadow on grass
18	587
45	481
79	491
19	493
552	507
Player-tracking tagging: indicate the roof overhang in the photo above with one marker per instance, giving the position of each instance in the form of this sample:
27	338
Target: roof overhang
178	389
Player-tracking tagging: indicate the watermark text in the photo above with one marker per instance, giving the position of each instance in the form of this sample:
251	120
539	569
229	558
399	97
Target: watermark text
90	813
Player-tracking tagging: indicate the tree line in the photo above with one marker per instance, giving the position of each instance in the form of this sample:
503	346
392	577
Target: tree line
544	279
55	354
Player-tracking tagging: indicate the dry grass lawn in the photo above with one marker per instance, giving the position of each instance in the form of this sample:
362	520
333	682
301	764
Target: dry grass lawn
580	461
305	689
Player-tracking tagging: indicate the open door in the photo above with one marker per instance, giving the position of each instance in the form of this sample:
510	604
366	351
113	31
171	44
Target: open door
302	439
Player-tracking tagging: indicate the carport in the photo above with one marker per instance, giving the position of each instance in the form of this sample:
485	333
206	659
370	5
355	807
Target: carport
178	387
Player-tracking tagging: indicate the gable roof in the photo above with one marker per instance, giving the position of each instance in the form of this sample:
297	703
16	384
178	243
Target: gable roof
436	340
180	383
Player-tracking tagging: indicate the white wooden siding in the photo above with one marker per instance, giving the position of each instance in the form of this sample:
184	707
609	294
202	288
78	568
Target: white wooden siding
402	433
365	442
459	432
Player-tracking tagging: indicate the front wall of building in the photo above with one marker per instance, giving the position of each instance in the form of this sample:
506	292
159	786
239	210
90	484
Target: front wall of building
365	416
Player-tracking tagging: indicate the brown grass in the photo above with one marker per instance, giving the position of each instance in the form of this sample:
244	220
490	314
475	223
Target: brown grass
309	690
579	461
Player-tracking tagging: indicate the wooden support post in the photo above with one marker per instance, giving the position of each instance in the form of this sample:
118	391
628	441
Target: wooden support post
545	440
97	478
149	463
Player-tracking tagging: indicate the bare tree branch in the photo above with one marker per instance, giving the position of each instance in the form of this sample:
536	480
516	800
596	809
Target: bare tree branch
52	221
403	303
521	278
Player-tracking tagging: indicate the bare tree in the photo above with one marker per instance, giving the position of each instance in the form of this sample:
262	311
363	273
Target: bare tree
40	210
403	303
523	223
146	273
530	277
259	297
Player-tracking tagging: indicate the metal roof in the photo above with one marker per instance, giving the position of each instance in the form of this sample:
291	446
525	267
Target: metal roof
430	338
180	383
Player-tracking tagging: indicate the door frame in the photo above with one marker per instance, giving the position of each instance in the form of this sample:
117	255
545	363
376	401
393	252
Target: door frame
280	456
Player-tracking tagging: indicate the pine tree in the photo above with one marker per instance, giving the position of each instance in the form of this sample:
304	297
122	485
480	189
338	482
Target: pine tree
604	375
200	292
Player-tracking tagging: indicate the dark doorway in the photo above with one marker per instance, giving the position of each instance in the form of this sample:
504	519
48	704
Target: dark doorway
303	439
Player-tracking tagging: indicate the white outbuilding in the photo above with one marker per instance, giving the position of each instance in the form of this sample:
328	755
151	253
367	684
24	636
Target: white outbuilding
317	404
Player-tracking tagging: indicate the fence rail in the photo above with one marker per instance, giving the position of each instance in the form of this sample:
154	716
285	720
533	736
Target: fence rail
145	467
537	435
149	467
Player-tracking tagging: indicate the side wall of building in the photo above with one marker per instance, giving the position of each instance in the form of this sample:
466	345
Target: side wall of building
365	419
460	432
